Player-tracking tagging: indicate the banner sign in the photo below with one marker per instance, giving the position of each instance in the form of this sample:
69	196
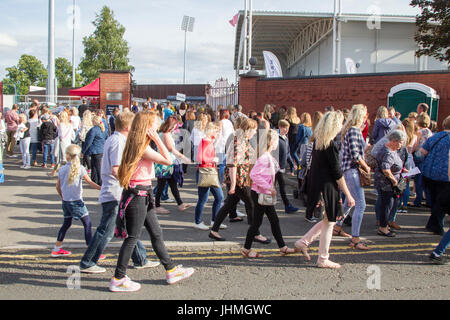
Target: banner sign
273	66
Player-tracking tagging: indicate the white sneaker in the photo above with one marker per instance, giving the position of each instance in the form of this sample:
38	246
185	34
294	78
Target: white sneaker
123	285
93	269
179	273
222	226
148	264
168	201
240	214
201	226
27	167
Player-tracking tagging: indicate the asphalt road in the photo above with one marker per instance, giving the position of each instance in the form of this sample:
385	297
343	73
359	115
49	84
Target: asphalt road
394	270
30	211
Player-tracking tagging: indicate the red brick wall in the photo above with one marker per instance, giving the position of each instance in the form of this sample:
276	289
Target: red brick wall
115	82
313	94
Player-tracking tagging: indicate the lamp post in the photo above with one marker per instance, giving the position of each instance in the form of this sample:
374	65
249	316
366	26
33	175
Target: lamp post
51	51
73	46
186	25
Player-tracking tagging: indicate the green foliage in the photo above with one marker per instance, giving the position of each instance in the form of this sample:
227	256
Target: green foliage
105	49
433	35
29	72
63	72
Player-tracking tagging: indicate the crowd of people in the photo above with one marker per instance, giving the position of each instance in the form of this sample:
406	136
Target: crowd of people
333	154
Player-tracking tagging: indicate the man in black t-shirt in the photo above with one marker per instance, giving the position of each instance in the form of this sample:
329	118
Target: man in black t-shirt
82	108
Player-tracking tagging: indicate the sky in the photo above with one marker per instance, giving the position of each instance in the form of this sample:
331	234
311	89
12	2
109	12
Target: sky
153	32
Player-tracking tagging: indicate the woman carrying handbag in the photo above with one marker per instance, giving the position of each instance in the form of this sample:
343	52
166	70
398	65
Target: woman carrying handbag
237	178
264	196
207	176
328	182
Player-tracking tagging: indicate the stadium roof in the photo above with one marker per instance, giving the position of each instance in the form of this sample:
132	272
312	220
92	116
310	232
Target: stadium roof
277	31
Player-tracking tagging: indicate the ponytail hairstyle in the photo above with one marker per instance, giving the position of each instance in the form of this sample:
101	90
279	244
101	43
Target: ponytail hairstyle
73	155
268	140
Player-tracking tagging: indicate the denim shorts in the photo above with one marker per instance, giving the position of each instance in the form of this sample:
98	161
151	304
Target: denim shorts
74	209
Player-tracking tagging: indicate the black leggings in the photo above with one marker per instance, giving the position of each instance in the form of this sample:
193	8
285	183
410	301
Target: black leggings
86	161
279	177
87	224
258	215
230	204
173	187
96	166
140	212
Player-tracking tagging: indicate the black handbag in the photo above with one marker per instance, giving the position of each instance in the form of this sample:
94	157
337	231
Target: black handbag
400	187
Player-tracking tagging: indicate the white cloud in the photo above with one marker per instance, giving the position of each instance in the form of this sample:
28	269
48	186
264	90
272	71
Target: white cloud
7	41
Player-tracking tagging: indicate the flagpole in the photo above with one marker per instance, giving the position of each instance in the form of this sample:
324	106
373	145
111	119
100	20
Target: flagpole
184	69
245	62
250	28
51	51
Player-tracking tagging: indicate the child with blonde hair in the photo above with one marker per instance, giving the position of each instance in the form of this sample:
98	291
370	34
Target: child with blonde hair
23	134
70	188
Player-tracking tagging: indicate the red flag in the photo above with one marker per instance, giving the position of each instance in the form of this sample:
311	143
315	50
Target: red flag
234	21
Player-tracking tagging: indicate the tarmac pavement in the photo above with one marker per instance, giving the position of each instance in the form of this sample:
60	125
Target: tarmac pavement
31	216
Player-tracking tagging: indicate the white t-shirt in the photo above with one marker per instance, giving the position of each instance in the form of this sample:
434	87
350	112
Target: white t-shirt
197	136
34	124
64	132
73	192
112	156
227	131
76	122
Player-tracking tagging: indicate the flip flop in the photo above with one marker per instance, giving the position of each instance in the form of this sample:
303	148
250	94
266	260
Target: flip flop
255	256
237	219
390	234
267	241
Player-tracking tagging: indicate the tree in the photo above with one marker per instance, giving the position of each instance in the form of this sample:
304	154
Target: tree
433	35
105	48
63	72
29	72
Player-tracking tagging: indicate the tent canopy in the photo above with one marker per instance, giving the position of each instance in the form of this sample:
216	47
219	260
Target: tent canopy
92	89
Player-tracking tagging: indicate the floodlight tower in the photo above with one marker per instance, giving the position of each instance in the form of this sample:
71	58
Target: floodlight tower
186	25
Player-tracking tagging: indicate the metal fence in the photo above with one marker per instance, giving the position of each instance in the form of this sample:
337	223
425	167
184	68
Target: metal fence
24	101
224	96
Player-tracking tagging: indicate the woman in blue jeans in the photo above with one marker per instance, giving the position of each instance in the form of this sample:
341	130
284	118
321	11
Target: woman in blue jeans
387	176
206	158
352	157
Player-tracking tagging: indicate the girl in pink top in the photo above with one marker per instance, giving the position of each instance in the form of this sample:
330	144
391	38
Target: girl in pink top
263	178
144	173
136	206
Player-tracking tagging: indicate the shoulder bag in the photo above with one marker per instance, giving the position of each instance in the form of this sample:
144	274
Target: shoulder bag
208	177
365	178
